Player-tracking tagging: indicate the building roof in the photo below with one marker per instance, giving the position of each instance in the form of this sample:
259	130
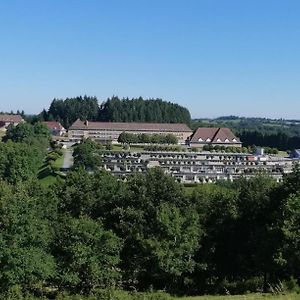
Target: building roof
214	135
53	125
295	153
11	118
132	126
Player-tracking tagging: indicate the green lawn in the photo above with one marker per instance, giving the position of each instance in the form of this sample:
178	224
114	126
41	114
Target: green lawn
59	162
2	134
47	176
283	154
246	297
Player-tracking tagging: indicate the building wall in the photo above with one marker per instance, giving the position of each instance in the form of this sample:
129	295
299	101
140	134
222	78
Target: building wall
196	167
112	135
4	125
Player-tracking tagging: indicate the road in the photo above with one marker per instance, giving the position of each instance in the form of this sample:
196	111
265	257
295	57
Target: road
68	158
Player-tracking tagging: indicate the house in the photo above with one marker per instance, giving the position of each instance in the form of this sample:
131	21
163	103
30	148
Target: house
6	120
214	136
110	131
55	128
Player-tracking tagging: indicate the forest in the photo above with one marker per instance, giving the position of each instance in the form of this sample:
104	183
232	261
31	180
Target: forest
93	235
115	110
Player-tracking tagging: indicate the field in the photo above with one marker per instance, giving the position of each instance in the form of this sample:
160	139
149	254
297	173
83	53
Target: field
236	297
46	175
246	297
2	134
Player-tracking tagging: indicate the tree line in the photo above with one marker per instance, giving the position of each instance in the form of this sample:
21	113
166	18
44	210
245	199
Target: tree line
279	140
115	110
130	138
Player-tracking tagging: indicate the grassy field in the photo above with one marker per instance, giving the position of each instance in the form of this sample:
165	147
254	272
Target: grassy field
2	134
46	175
246	297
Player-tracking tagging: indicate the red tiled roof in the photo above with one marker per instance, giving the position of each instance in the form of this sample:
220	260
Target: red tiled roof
214	135
53	125
133	126
11	118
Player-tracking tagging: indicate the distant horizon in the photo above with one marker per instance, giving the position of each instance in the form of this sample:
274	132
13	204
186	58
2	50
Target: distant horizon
192	117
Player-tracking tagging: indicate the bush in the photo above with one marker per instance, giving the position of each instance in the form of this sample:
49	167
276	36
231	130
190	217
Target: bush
52	156
16	293
152	296
252	285
291	285
58	151
111	294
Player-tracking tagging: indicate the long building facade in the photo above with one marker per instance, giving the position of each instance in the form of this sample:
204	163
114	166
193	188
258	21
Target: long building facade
110	131
201	167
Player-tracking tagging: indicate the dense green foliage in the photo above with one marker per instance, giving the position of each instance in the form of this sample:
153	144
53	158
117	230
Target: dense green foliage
91	233
68	110
130	138
281	140
23	152
142	110
115	110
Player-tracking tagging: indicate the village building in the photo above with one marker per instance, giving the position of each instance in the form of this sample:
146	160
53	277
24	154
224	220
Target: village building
214	137
197	167
295	154
7	119
55	128
110	131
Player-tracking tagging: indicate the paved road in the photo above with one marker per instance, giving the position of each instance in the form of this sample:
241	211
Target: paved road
68	159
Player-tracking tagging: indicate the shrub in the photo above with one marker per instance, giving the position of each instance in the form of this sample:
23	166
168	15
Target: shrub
291	285
252	285
111	294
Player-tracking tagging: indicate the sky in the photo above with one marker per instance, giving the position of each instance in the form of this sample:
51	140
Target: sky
215	57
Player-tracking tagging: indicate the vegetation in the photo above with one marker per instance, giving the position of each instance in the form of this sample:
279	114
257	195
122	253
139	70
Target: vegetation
23	152
279	134
142	110
115	110
130	138
94	236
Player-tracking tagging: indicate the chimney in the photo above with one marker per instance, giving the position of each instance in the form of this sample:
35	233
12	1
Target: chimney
86	123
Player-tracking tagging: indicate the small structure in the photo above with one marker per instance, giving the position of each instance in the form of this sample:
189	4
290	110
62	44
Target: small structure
6	120
55	128
214	136
260	151
295	154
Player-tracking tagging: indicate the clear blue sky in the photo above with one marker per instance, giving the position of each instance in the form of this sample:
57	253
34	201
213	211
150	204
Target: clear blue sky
216	57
